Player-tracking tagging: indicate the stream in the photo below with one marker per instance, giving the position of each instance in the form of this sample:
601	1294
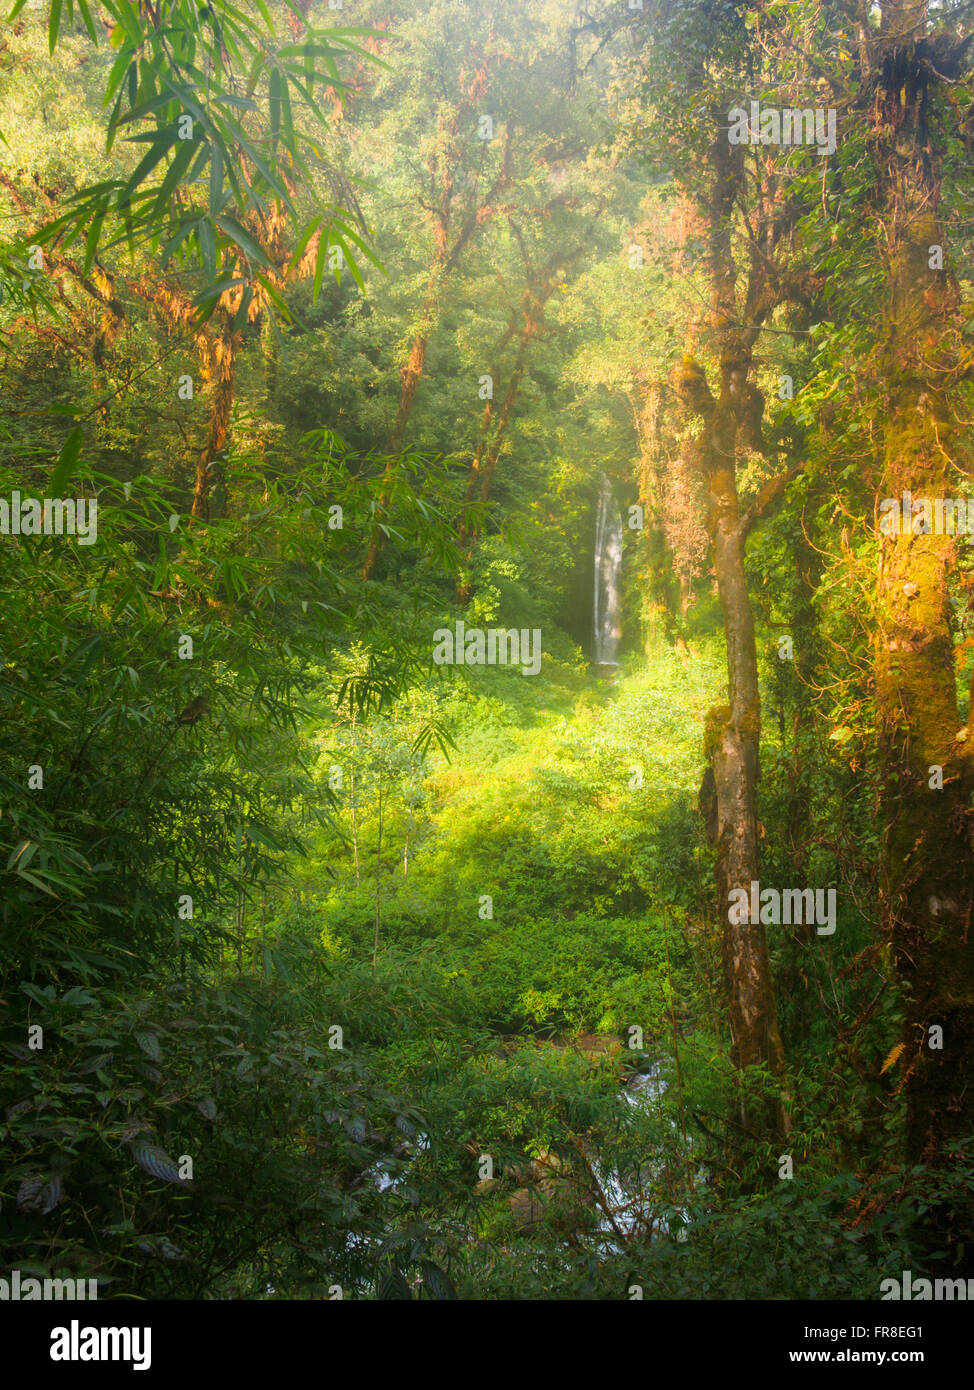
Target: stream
623	1208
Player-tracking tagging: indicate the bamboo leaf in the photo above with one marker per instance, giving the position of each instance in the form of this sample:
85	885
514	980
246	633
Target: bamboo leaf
243	239
67	459
54	24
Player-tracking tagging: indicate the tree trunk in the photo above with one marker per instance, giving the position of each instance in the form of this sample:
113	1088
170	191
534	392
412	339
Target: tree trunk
734	730
927	864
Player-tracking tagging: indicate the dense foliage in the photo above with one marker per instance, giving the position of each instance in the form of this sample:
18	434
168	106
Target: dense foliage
327	970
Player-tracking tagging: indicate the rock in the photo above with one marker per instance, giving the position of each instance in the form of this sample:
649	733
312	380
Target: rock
597	1045
545	1163
526	1207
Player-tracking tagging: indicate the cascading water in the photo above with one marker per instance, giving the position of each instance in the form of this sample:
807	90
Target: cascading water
607	623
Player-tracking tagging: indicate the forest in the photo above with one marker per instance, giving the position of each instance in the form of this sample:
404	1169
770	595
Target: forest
487	649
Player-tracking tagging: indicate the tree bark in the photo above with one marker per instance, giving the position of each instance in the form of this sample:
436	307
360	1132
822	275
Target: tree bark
734	731
927	863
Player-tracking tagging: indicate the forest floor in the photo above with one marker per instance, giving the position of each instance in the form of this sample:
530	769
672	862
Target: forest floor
542	951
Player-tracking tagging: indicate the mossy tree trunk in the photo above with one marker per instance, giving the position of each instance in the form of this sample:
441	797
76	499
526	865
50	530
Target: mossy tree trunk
732	748
928	770
734	730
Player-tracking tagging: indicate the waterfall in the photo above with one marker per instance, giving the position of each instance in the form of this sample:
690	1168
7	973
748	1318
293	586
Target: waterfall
607	621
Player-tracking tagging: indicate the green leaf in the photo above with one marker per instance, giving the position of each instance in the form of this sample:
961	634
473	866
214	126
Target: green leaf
217	199
320	258
266	16
437	1281
91	240
275	297
149	1044
207	245
117	75
89	23
38	884
172	245
128	16
174	173
243	239
241	103
67	459
392	1286
157	1163
54	24
22	854
303	240
164	142
34	1194
274	97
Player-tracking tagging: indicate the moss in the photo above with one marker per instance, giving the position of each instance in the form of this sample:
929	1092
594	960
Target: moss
717	719
751	722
